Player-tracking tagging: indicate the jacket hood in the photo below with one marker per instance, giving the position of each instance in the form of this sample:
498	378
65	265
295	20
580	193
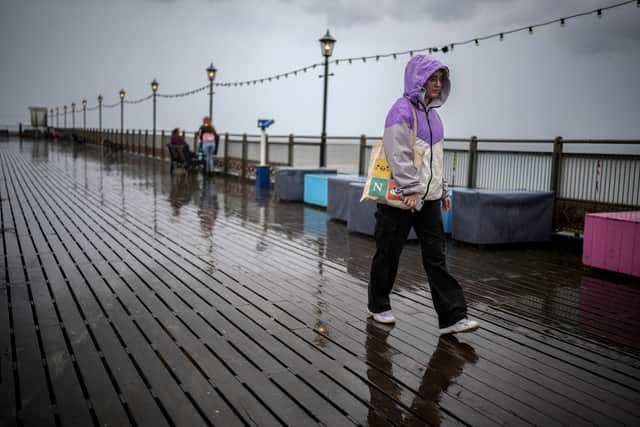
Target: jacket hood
416	73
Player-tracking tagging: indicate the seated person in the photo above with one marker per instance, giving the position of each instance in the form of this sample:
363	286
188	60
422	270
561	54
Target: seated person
176	137
178	141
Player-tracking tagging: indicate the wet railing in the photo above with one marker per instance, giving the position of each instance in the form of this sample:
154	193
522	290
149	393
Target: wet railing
583	180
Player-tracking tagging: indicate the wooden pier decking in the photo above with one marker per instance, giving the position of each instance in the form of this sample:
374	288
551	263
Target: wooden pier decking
130	297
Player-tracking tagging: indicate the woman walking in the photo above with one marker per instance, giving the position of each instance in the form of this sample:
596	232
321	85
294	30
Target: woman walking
424	193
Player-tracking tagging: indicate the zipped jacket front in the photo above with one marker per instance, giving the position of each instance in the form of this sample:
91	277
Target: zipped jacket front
429	184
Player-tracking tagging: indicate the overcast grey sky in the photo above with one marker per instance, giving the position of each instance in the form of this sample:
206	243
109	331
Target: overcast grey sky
580	81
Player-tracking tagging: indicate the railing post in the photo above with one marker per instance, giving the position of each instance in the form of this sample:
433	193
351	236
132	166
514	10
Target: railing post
139	141
290	151
556	165
161	145
361	155
225	166
554	183
244	156
472	169
146	146
455	165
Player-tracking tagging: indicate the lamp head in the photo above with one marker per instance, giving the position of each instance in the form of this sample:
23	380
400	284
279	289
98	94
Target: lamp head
326	44
211	72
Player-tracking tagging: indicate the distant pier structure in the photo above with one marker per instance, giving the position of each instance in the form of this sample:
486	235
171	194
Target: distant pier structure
38	116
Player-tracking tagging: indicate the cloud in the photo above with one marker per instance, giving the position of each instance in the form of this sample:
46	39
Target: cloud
600	37
441	10
348	13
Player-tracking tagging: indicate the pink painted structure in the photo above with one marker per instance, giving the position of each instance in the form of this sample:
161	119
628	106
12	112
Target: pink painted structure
612	241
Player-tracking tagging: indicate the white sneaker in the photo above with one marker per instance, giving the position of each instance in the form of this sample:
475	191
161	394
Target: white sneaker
462	325
383	317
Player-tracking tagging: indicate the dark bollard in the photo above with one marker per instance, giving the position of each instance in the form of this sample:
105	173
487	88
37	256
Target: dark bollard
263	179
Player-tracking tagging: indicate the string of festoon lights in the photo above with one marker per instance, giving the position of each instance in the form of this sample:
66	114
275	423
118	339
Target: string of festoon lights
444	49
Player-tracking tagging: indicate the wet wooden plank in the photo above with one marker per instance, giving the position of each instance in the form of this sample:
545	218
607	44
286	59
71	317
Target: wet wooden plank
100	389
8	414
312	371
34	399
71	402
175	404
134	394
211	405
254	352
216	364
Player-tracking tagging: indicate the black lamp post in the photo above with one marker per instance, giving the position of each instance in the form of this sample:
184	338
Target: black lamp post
122	94
326	45
65	116
211	73
84	114
154	89
100	114
73	115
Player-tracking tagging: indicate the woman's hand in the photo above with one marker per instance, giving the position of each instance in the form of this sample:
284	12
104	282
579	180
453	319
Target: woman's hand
410	200
446	203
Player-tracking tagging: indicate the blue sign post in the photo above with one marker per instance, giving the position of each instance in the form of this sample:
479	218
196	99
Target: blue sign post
263	179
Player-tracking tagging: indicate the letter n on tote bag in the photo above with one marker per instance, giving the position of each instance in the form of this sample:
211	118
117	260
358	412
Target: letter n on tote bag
378	187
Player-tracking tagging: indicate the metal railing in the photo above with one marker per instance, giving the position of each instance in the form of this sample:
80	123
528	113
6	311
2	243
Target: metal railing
582	181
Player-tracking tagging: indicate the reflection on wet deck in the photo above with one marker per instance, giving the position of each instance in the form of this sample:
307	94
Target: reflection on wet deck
131	297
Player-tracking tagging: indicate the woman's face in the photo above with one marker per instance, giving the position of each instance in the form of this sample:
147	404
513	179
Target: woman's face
433	85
